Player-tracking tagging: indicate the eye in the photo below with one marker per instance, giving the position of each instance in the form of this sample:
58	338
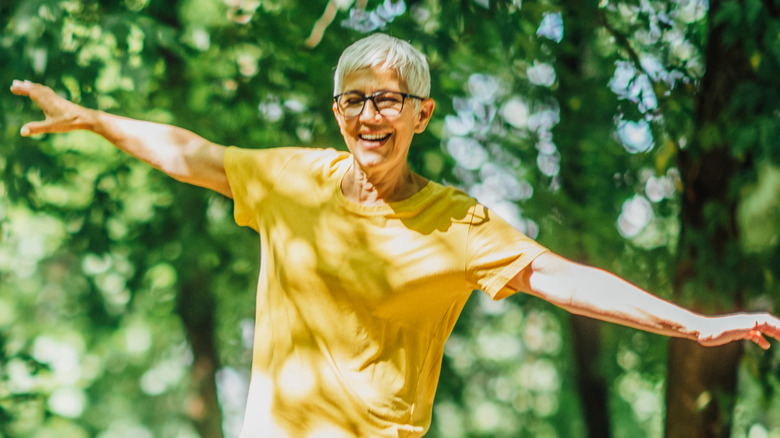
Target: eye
352	99
389	98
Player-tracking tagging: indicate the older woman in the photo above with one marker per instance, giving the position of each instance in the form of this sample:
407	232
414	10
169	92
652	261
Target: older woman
366	265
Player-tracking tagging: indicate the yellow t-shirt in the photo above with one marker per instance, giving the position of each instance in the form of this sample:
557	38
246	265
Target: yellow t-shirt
355	302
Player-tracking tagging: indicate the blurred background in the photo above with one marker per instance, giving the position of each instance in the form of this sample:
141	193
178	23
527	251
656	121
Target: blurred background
638	136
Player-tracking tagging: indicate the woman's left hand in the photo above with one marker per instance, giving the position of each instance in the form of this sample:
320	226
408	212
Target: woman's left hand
756	327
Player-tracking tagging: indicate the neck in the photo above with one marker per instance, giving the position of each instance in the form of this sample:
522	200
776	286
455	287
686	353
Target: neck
380	187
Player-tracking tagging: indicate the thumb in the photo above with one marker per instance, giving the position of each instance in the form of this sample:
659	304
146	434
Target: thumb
33	128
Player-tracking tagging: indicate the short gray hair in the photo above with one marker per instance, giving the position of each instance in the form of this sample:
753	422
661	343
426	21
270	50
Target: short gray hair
383	51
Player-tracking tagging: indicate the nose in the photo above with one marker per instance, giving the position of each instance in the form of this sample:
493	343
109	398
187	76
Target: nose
369	110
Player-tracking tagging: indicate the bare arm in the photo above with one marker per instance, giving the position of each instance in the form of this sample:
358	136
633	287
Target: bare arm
599	294
179	153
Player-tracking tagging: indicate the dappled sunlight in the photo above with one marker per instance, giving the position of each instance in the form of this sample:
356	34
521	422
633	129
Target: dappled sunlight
524	345
483	88
628	83
163	376
68	402
567	121
366	21
549	163
546	114
461	124
29	238
347	336
499	346
635	215
645	398
759	212
551	27
541	73
482	118
296	381
467	152
516	112
635	136
62	356
659	188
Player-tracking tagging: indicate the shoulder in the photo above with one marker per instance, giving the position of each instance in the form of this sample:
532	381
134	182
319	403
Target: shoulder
319	159
443	197
273	159
444	194
438	203
320	164
302	153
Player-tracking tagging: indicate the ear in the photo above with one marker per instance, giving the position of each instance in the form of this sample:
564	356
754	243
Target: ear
338	117
424	115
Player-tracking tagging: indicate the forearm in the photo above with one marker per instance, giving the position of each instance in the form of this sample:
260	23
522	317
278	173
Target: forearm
179	153
598	294
595	293
601	295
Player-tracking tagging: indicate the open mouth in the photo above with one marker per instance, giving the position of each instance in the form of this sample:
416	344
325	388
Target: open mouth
374	137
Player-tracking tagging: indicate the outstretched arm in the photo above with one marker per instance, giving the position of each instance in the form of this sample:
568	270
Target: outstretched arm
595	293
181	154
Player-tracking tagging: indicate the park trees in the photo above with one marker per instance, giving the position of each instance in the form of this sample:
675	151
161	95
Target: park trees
636	136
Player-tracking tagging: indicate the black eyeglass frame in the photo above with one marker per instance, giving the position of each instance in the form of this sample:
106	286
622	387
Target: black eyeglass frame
371	97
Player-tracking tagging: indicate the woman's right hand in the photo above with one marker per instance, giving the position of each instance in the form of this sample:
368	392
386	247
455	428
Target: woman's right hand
61	114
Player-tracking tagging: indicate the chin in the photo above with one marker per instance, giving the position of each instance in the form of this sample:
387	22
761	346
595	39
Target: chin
371	161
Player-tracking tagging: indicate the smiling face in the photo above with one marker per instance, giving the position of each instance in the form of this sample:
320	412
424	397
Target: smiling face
381	144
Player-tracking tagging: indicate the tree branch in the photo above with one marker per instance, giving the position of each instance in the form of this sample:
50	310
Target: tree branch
321	25
624	43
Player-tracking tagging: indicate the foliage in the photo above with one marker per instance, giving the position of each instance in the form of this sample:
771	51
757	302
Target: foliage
565	118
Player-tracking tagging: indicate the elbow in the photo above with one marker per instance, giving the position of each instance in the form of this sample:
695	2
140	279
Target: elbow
181	163
556	280
172	165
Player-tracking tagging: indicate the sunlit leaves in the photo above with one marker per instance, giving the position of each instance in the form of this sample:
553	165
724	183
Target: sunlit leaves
506	362
759	212
541	74
366	21
551	27
637	213
94	246
516	112
635	136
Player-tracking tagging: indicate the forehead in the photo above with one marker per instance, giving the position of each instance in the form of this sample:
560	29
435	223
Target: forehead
370	80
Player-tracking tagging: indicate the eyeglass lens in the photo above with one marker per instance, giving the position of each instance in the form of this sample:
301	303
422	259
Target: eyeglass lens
387	103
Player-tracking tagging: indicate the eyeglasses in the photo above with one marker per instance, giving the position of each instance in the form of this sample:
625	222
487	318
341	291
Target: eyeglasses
386	103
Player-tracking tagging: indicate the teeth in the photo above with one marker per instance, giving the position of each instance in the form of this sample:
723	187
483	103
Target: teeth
374	137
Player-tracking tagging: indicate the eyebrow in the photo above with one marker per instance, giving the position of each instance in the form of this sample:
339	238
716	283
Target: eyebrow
375	92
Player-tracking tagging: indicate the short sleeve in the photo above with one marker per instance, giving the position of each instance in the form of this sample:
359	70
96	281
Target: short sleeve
252	174
496	252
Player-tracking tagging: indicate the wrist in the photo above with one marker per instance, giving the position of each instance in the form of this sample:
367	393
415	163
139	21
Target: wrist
699	328
92	120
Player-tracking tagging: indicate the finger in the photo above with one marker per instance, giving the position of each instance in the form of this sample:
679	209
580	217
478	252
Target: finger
34	128
769	327
770	331
757	337
40	94
21	88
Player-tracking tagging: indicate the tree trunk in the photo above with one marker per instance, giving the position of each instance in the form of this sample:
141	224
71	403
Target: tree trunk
591	384
195	302
196	307
701	382
700	392
584	202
